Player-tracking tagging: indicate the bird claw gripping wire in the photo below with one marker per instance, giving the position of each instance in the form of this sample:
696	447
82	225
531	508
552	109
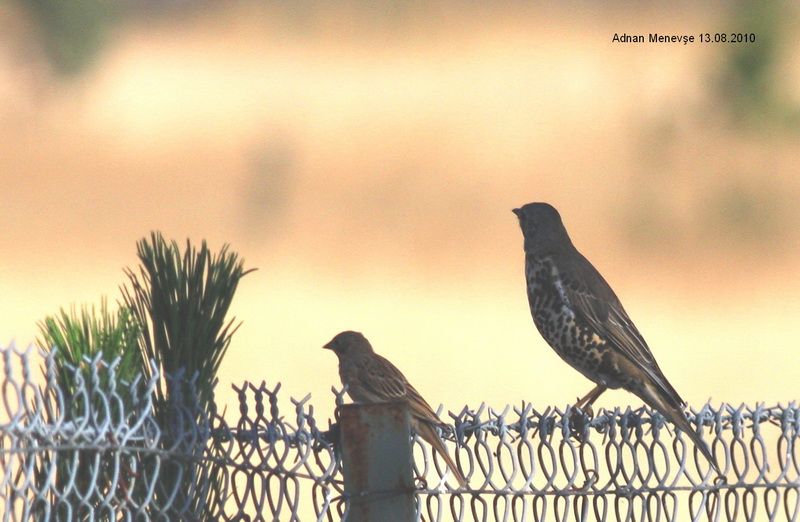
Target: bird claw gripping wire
579	422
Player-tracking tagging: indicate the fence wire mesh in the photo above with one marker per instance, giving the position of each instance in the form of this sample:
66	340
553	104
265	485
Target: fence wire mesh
90	449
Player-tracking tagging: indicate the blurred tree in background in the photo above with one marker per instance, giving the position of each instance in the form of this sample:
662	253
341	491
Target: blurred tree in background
748	81
72	33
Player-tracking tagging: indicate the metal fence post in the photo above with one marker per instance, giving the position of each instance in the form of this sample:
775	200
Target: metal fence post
376	462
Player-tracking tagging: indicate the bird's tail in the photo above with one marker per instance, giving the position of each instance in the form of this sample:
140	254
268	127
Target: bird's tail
672	410
429	434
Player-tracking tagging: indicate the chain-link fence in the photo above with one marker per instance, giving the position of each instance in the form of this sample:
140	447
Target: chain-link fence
90	449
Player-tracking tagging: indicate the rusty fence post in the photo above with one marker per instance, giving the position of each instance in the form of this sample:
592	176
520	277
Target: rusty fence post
376	462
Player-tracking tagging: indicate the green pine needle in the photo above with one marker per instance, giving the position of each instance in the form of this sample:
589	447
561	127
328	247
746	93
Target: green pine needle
181	300
75	338
78	336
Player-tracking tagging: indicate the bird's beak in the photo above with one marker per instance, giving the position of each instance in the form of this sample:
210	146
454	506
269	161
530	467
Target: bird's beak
517	212
328	346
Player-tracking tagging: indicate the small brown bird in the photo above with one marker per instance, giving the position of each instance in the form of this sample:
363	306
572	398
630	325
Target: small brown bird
371	378
581	318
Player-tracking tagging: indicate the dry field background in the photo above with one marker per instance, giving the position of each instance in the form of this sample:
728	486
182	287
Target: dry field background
366	161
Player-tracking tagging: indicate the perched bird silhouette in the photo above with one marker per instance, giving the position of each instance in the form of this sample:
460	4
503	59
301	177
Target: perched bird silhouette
581	318
371	378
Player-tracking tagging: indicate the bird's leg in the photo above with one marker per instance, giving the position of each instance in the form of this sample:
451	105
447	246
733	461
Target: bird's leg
585	404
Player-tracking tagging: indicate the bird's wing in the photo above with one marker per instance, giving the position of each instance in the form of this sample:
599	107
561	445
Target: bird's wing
420	408
592	299
382	379
594	302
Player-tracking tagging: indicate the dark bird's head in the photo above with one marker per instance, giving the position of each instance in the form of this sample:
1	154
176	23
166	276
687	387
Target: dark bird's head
349	343
542	227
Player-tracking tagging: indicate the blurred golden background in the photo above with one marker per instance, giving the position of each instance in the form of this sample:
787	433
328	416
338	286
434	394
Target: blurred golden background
366	160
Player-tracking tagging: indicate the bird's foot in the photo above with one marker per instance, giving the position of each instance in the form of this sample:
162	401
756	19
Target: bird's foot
579	419
585	407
